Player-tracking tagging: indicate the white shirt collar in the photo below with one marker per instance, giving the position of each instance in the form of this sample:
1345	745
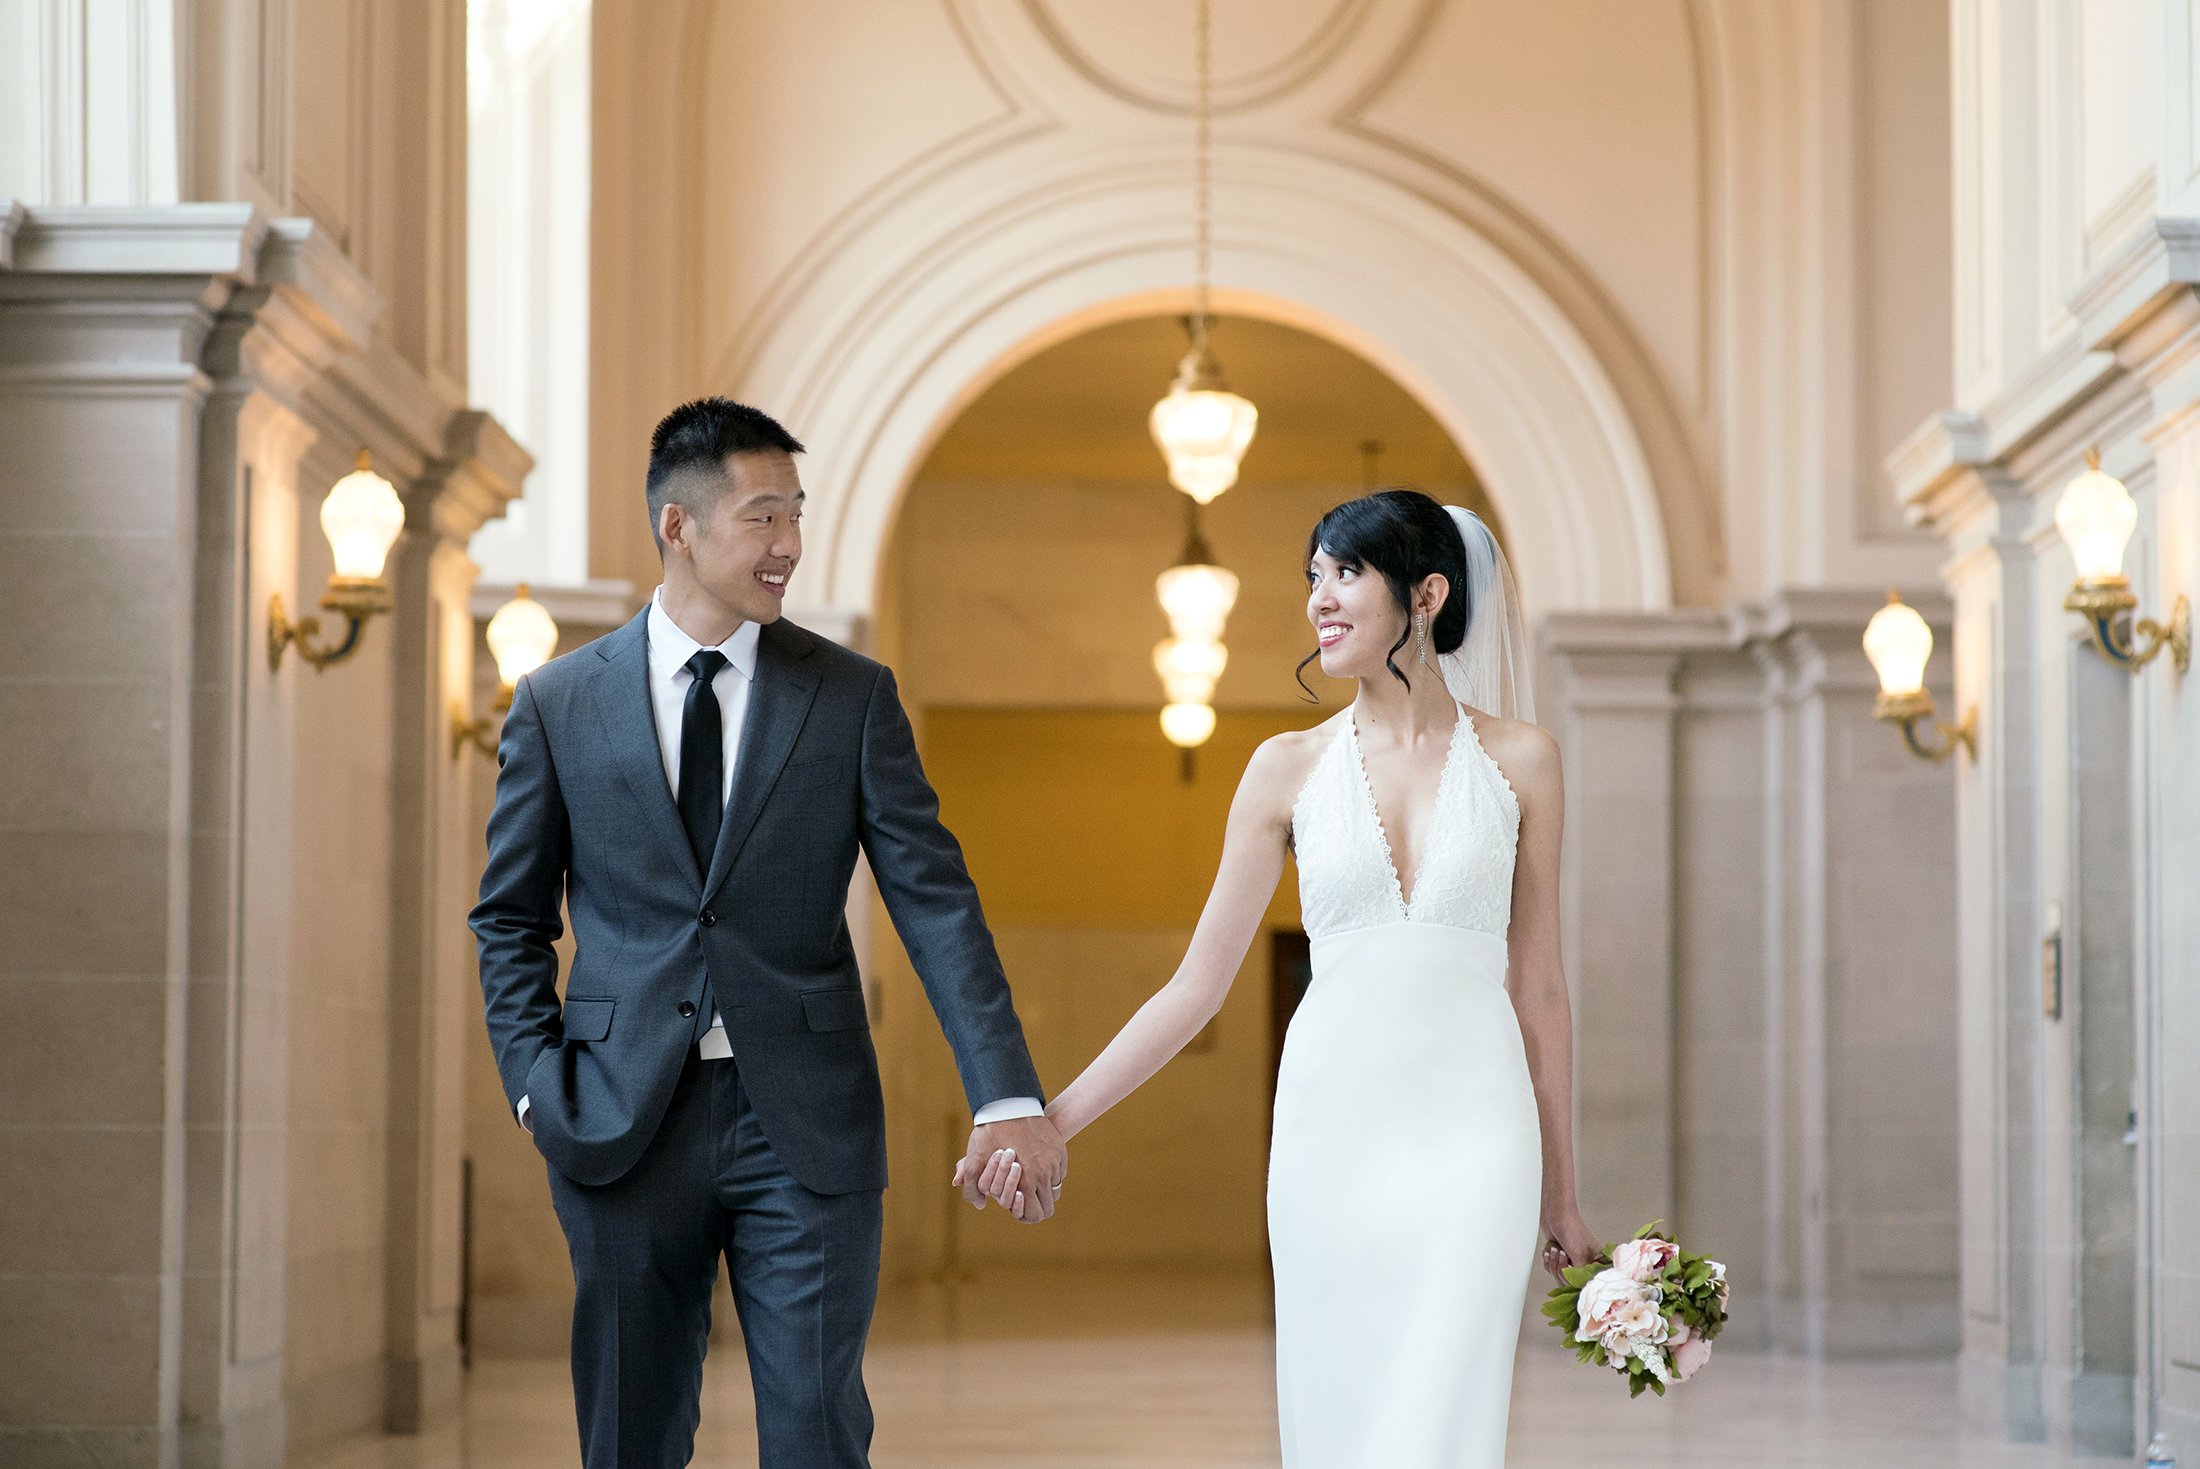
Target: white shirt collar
670	648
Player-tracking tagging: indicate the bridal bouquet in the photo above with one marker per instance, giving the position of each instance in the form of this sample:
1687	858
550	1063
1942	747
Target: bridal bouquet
1645	1308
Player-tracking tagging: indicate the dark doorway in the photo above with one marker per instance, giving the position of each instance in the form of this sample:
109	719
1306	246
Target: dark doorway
1290	970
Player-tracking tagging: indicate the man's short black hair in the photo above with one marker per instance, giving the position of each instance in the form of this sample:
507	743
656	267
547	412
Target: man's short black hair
691	443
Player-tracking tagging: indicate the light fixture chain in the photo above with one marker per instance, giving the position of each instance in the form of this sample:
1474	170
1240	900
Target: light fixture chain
1202	171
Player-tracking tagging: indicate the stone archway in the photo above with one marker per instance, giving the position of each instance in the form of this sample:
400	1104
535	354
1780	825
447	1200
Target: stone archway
1005	257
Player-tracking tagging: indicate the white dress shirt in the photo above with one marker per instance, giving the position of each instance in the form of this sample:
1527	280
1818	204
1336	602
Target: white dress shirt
669	651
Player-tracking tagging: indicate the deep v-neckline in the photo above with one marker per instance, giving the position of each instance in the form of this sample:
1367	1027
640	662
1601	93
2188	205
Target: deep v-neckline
1375	810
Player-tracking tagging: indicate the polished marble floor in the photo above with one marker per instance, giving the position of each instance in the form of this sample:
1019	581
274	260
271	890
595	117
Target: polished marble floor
1172	1374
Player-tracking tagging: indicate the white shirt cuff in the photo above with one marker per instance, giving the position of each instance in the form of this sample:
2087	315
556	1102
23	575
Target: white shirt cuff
1007	1109
525	1106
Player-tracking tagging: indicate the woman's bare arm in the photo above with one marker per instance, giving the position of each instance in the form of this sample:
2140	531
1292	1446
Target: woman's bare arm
1536	977
1252	861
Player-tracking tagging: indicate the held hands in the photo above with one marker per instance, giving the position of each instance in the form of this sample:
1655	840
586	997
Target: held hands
1020	1164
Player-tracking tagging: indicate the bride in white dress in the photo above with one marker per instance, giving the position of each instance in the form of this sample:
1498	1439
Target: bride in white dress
1423	1130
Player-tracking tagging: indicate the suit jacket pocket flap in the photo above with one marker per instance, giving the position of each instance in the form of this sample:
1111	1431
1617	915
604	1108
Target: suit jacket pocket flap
835	1010
804	775
588	1020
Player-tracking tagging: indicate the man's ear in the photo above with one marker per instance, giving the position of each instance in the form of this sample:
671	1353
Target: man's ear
672	524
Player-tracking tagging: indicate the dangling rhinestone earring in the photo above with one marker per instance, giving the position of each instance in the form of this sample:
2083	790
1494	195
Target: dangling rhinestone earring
1420	620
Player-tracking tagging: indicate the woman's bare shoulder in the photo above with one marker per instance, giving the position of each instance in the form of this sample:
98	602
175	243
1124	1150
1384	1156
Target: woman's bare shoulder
1526	753
1280	766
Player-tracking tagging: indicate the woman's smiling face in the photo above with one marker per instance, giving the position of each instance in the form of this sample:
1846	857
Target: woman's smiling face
1356	616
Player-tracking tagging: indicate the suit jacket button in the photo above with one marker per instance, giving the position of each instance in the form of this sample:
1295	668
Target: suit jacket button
687	1009
709	918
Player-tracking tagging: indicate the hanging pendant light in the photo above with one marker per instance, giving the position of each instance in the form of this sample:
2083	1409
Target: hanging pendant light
1198	595
1202	427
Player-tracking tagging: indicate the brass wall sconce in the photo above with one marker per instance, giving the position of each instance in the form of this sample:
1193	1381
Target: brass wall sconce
2097	516
361	518
522	636
1899	644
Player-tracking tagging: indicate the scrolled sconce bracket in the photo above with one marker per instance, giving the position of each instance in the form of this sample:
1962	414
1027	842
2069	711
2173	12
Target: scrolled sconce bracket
2107	604
2177	636
355	599
1911	710
479	733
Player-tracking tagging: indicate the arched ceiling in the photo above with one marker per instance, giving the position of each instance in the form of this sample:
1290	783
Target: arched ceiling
1077	411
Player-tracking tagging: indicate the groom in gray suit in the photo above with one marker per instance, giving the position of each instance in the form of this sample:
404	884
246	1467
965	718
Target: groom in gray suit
694	788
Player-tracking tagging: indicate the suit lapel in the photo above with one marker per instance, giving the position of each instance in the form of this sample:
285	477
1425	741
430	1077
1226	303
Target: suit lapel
778	705
621	692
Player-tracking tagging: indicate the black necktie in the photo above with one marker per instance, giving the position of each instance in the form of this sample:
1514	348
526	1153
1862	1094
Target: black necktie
702	759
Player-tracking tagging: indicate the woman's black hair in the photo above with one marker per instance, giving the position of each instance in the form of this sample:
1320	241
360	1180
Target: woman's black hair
1405	536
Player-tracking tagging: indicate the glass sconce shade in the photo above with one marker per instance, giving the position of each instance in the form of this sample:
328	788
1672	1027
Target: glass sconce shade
1203	428
1187	725
2097	516
361	518
522	636
1198	599
1898	643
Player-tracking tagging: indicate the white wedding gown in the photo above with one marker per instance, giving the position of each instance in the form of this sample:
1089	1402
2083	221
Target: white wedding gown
1404	1185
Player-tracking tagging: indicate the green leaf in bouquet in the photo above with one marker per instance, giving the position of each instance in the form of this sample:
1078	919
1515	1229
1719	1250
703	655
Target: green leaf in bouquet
1578	1276
1649	1229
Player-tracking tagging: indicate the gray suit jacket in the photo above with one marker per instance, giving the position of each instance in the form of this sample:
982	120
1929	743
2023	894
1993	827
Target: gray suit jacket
583	812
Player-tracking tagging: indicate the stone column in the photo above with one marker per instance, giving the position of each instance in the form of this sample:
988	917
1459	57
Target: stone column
1992	524
1731	1166
1866	1005
152	370
1617	730
434	1001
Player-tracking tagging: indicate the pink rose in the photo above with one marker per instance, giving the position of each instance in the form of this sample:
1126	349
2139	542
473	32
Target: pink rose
1642	1259
1689	1357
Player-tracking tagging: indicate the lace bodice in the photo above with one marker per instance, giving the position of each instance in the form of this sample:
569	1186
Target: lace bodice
1347	878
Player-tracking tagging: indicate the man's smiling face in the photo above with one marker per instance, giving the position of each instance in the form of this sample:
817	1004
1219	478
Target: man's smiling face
745	542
